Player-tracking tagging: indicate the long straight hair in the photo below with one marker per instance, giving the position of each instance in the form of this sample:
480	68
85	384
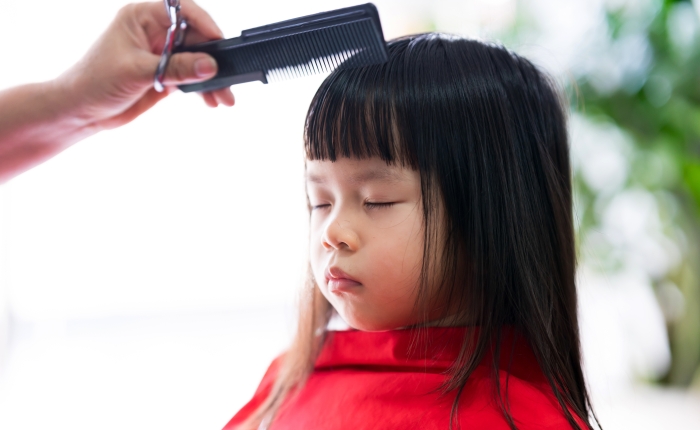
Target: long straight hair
486	130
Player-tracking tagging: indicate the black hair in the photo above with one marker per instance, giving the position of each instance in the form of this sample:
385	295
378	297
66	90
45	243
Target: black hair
486	129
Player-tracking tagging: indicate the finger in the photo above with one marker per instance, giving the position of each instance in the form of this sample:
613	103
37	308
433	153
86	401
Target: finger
210	100
189	67
199	19
224	96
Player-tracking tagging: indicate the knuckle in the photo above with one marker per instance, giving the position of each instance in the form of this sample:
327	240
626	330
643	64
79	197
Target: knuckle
189	4
127	10
178	68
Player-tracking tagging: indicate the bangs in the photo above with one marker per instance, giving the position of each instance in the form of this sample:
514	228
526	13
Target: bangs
354	115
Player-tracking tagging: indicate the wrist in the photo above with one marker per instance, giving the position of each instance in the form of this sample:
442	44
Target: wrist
53	116
37	121
63	104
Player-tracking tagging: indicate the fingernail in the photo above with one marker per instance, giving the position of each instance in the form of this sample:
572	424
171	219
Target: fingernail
204	67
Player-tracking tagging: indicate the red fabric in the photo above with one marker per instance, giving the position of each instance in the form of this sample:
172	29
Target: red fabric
376	380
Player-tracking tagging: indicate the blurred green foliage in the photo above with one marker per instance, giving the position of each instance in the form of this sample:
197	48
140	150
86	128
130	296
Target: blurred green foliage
657	107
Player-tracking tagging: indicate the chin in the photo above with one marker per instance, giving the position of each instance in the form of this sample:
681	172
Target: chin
369	324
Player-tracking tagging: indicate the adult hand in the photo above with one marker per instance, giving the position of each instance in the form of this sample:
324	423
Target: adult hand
113	83
110	86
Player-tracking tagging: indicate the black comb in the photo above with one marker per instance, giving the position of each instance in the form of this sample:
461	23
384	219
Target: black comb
349	37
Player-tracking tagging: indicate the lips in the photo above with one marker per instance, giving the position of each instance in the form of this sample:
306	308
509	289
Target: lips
339	281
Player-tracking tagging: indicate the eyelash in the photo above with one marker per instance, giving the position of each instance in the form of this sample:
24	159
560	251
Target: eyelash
370	205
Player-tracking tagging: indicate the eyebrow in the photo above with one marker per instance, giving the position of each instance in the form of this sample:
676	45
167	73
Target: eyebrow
367	176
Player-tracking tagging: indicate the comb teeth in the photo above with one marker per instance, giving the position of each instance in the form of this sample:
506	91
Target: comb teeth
307	53
351	37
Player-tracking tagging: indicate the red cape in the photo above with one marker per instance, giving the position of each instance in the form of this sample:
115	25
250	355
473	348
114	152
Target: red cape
375	380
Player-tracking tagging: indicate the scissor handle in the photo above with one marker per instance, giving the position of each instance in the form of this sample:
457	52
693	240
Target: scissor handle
173	39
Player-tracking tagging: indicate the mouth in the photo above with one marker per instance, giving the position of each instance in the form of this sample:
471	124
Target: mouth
339	281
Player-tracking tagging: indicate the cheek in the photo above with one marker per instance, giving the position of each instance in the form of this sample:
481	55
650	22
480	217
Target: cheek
403	241
397	256
392	287
398	260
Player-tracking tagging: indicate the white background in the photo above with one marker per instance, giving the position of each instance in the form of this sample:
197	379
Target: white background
148	274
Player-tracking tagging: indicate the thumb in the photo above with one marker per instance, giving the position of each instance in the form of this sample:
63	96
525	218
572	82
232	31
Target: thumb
189	67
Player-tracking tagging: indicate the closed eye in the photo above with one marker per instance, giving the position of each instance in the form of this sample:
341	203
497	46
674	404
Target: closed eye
377	205
320	206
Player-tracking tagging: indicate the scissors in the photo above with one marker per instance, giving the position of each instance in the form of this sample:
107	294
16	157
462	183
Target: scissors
174	38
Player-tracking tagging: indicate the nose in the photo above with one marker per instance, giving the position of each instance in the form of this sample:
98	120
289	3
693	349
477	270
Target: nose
339	235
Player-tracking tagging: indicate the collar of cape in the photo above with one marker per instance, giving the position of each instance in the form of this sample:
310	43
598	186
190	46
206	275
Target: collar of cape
394	378
429	349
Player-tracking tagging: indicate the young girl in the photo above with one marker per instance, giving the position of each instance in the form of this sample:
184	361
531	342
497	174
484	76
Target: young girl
439	190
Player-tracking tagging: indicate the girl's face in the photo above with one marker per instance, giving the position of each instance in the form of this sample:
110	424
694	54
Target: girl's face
366	239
